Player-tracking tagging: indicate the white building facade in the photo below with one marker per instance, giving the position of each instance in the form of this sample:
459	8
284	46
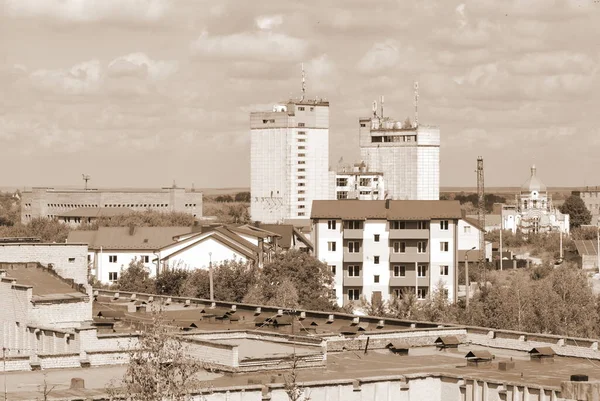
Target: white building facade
380	249
359	183
407	155
289	160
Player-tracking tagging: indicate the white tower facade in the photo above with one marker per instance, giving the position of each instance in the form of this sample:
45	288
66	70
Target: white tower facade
289	160
407	154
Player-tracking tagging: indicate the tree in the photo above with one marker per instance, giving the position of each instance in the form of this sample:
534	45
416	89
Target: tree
136	278
407	124
242	197
48	230
578	213
294	391
311	278
171	282
159	367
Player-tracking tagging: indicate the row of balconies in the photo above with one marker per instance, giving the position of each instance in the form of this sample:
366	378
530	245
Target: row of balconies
405	281
405	257
410	233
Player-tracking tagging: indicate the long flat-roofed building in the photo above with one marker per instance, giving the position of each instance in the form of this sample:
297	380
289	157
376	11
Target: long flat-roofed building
55	202
289	160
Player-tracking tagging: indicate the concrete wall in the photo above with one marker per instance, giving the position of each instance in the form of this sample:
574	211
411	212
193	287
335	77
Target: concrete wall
440	258
56	314
322	235
370	269
69	260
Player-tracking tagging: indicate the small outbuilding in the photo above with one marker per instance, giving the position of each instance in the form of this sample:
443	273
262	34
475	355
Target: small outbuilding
447	342
479	358
542	354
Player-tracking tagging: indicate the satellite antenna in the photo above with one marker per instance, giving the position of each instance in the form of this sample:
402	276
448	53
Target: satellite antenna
303	83
375	108
416	104
86	178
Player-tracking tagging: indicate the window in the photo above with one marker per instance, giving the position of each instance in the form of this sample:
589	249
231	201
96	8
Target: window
376	279
300	108
399	271
353	224
421	247
301	170
301	154
301	184
444	225
342	182
353	294
333	269
363	124
443	270
421	225
331	224
353	246
365	182
301	140
353	271
467	229
312	109
301	162
422	270
301	177
444	246
300	124
331	246
113	276
301	206
301	192
112	259
399	247
72	260
421	292
301	214
301	147
398	225
376	260
301	199
301	132
376	237
145	258
342	195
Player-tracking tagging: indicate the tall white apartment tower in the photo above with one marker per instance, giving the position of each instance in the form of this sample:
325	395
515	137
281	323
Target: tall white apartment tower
408	155
289	158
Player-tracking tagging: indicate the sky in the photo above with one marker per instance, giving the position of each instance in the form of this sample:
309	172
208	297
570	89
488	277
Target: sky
140	93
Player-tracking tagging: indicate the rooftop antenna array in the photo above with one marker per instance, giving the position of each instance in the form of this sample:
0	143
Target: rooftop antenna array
381	100
416	104
481	216
375	108
303	83
86	178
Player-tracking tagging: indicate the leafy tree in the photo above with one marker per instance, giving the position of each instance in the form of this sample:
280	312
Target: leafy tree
311	278
148	218
242	197
48	230
224	198
171	282
578	213
136	278
159	367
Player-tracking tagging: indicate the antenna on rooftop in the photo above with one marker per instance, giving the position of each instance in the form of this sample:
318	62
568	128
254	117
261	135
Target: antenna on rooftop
86	178
416	104
375	108
381	106
303	83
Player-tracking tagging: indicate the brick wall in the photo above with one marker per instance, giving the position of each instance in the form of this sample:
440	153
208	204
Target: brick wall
225	355
64	315
56	254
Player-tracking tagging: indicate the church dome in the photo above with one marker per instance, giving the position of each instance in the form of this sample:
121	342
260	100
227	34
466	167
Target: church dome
533	183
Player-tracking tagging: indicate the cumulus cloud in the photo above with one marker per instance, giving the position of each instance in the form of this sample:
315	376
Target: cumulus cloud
381	56
554	62
267	23
83	78
89	10
141	66
261	45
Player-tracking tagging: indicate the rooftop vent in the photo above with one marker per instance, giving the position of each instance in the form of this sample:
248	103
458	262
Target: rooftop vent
542	354
579	378
398	348
447	342
479	358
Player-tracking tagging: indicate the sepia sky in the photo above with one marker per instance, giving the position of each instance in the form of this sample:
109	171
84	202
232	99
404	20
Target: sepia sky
143	92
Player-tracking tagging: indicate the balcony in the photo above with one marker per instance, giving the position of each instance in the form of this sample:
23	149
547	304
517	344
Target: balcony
353	233
403	281
409	257
353	281
353	256
410	233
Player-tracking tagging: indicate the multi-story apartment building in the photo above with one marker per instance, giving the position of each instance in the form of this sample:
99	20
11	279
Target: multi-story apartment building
378	249
359	183
591	198
52	203
408	155
289	160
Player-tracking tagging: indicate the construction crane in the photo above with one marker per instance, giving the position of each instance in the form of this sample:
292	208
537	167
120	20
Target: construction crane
481	217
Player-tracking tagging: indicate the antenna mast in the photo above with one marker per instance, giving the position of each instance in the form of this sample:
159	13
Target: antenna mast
416	104
382	107
86	178
303	83
481	217
375	109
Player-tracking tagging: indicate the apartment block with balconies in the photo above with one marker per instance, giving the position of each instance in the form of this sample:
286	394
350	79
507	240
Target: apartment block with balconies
386	248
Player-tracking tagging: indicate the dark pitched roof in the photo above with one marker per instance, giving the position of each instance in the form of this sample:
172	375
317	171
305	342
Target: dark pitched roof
586	247
375	209
96	212
447	340
147	238
474	222
253	231
542	351
479	354
287	233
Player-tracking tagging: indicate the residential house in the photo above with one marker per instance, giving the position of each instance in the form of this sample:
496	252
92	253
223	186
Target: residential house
291	237
378	249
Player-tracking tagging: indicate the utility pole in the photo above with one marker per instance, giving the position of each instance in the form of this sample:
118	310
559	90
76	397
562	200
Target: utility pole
481	216
210	277
4	369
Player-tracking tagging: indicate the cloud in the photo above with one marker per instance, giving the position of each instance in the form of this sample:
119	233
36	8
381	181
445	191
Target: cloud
555	62
262	45
266	23
141	66
381	56
83	78
81	11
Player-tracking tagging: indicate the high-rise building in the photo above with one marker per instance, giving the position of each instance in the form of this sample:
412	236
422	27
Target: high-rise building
408	155
289	158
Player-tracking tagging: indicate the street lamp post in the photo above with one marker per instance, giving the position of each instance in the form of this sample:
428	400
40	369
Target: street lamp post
210	277
467	281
